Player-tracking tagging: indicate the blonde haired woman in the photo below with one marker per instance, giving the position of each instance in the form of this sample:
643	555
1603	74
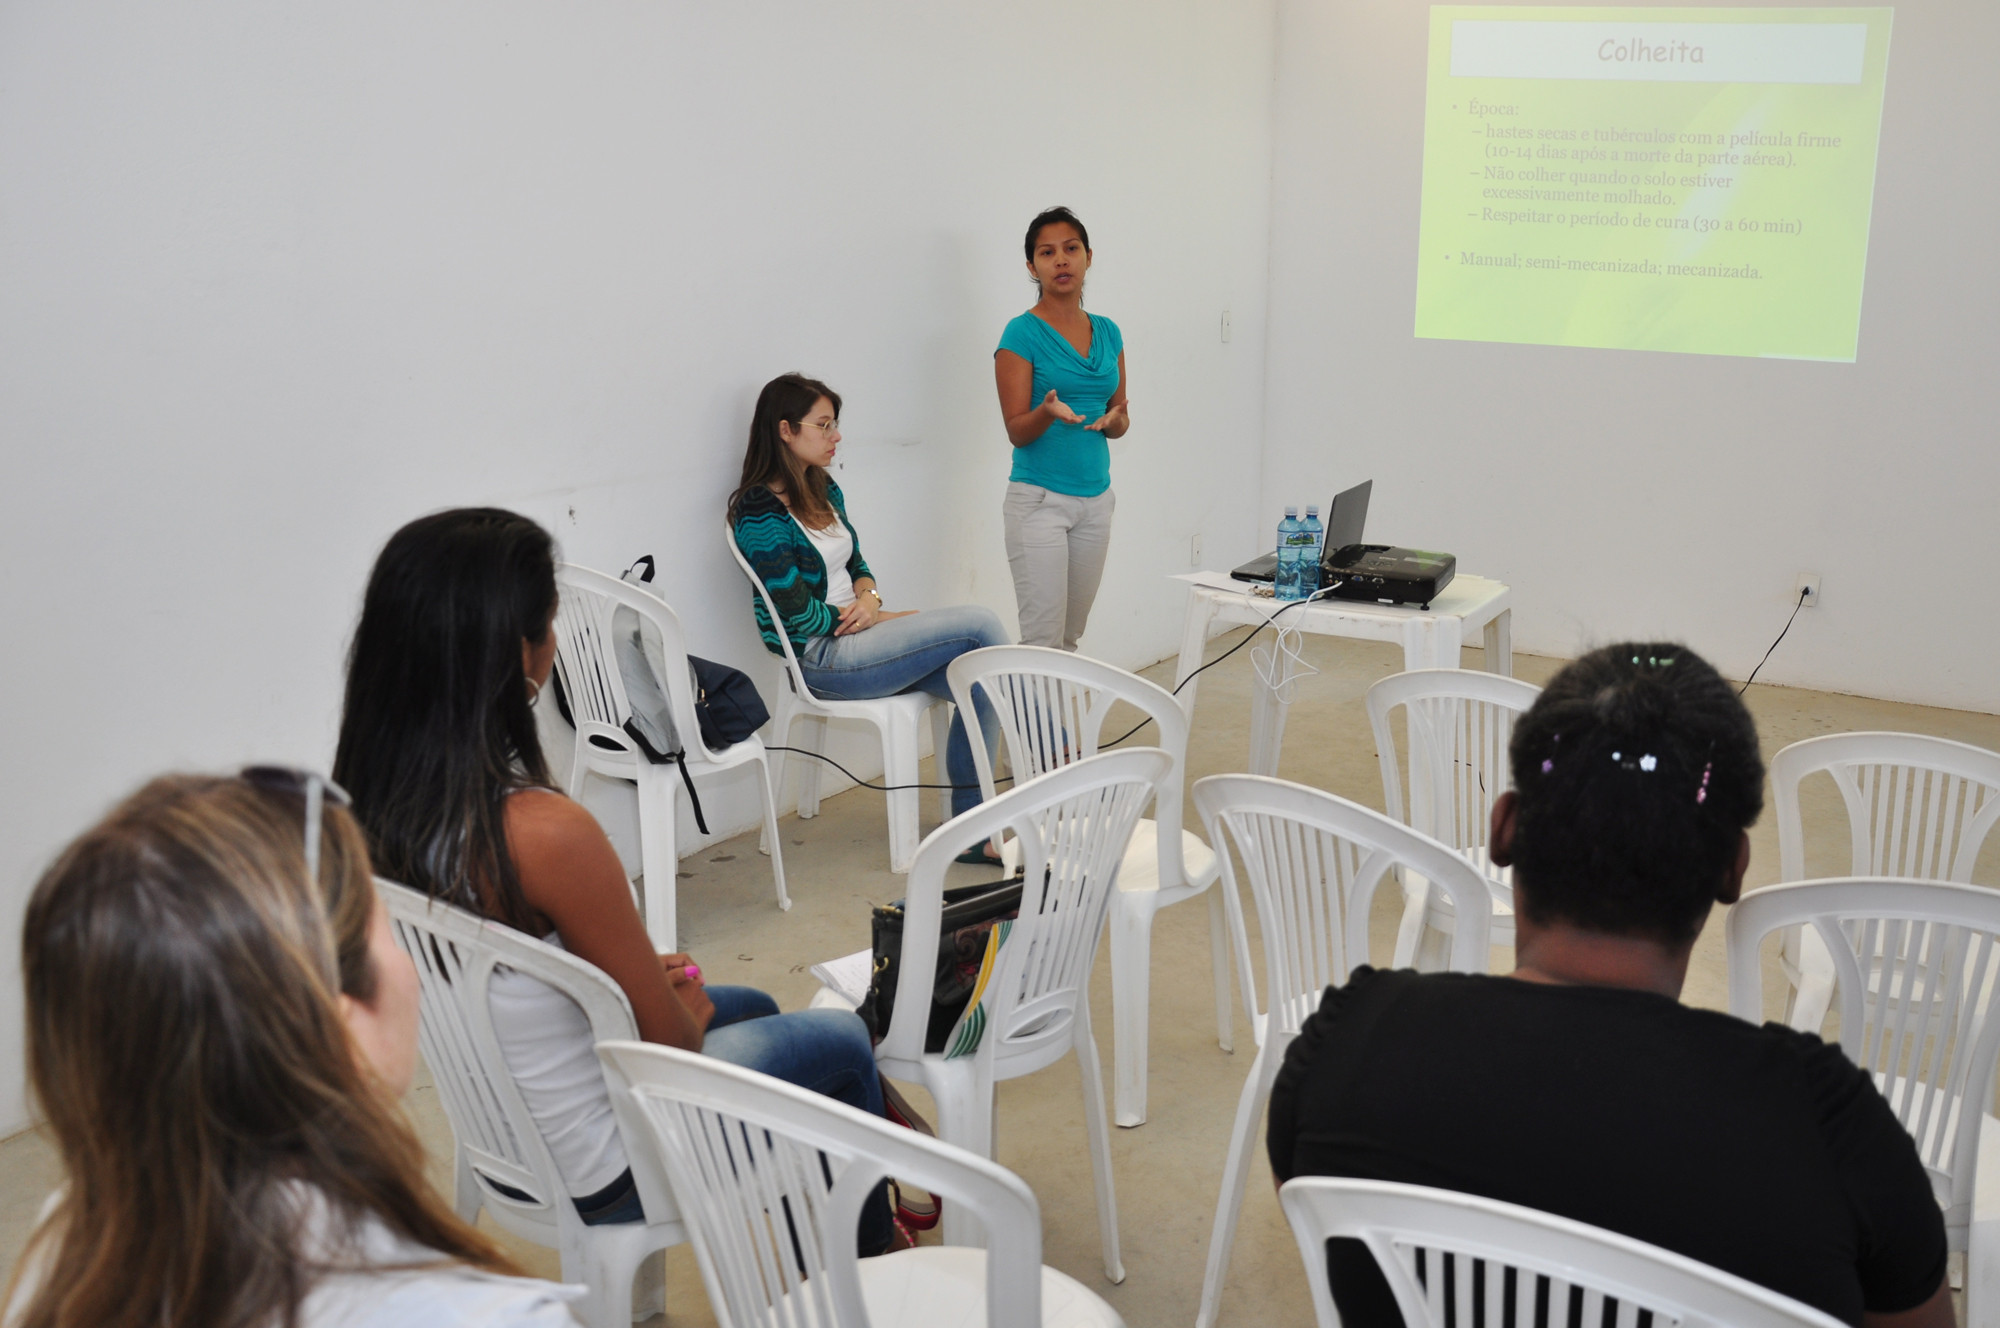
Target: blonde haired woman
219	1025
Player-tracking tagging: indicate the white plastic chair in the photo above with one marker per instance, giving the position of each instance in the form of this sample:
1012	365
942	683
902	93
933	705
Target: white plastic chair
497	1141
1458	723
587	662
1914	967
1051	707
1403	1224
1074	825
1917	807
1315	862
896	719
772	1179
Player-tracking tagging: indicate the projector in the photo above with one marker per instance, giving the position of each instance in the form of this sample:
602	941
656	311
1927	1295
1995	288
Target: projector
1386	574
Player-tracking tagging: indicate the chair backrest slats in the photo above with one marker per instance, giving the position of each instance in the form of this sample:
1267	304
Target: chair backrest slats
1315	862
1075	854
1917	807
772	1180
1073	825
1451	1259
1457	724
1915	974
456	955
1052	706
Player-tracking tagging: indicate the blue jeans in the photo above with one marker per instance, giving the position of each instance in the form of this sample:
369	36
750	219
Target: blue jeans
910	655
827	1051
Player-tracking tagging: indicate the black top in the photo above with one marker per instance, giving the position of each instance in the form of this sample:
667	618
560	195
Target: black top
1760	1151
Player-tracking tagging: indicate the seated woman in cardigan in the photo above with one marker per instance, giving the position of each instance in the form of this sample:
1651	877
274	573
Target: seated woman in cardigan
790	522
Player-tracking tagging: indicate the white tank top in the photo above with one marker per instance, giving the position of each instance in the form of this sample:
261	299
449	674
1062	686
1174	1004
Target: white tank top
548	1045
836	546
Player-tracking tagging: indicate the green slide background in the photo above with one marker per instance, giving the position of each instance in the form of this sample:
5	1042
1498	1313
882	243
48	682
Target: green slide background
1806	303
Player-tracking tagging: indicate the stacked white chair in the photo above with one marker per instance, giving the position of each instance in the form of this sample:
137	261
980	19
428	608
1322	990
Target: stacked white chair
587	663
1051	707
1315	862
1914	968
497	1143
772	1179
1416	1233
897	719
1457	723
1917	807
1073	826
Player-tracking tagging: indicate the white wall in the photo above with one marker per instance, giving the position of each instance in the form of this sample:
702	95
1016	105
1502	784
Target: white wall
275	279
1632	494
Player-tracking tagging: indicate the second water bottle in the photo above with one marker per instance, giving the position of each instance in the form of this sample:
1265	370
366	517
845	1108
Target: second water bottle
1291	551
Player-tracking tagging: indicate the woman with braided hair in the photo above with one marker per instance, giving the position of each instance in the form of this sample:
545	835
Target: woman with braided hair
1579	1084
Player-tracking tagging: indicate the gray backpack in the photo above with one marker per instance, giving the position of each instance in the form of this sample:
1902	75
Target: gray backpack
642	663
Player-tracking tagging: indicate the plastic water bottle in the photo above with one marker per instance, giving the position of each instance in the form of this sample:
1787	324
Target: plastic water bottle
1309	577
1290	550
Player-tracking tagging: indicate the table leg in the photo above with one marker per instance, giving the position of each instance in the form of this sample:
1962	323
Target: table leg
1432	643
1267	729
1500	643
1194	640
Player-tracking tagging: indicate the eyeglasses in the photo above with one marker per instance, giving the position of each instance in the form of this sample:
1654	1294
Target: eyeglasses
825	426
313	787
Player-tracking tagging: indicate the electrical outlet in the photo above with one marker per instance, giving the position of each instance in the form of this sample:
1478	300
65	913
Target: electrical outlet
1194	551
1806	592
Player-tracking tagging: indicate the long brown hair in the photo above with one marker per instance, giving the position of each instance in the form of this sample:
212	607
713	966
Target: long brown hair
186	1044
788	397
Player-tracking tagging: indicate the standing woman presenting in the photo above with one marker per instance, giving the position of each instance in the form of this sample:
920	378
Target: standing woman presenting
1061	375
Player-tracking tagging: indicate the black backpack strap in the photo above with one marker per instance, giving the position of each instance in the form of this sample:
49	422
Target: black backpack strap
633	732
700	822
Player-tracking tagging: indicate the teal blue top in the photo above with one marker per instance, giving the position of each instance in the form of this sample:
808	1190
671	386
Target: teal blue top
1067	458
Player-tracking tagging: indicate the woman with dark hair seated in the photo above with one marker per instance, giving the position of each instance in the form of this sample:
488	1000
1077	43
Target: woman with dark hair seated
790	522
1579	1085
439	748
219	1026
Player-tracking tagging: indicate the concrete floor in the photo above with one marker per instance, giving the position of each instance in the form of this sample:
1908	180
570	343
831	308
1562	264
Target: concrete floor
1169	1169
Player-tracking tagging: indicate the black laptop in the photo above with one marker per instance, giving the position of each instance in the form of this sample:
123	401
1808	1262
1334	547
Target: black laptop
1345	517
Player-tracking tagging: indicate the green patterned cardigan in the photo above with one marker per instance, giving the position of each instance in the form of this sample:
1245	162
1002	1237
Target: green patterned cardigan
790	567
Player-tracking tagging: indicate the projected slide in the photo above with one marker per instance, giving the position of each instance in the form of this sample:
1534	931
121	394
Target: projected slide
1690	180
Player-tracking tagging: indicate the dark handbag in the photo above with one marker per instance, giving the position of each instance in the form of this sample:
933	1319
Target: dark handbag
726	702
970	913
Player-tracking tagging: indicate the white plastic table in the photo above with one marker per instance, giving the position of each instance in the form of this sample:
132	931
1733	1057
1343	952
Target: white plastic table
1431	637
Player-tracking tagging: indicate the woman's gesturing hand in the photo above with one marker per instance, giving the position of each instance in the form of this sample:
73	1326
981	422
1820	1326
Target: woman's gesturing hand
1112	422
1057	410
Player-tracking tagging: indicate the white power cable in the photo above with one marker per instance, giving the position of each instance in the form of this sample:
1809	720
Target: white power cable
1281	666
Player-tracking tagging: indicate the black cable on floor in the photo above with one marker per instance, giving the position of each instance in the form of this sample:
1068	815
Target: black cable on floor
1103	746
879	788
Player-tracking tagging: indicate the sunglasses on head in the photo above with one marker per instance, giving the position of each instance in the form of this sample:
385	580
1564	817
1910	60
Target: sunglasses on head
315	788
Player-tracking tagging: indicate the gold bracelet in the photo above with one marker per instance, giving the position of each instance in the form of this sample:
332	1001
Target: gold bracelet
876	593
